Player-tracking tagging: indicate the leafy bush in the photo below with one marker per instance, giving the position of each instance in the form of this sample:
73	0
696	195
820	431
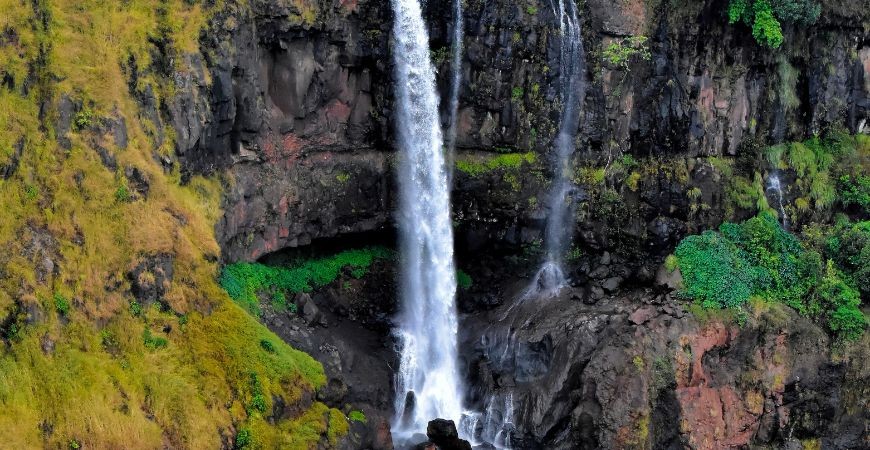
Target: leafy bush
267	345
83	119
517	94
244	281
715	272
357	416
243	439
764	17
61	304
620	53
855	191
841	305
759	259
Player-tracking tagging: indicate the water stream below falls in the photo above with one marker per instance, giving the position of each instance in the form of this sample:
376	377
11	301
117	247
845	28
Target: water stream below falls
551	277
428	383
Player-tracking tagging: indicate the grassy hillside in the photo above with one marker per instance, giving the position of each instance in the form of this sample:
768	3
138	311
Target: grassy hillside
82	362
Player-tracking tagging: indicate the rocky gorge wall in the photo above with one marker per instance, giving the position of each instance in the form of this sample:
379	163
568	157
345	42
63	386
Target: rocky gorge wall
294	98
292	101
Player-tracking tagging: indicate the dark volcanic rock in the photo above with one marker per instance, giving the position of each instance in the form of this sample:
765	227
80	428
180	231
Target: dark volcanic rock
443	433
151	278
640	379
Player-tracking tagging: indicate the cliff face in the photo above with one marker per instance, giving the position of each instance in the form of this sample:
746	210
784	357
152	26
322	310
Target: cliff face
294	98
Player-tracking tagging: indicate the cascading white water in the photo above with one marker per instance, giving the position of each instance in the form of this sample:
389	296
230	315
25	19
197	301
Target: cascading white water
550	278
428	383
455	73
774	183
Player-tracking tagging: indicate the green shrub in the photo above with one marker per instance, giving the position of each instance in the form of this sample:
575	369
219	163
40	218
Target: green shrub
136	308
764	17
243	439
153	342
83	119
61	304
517	94
267	345
841	305
759	259
531	10
357	416
620	53
714	270
855	191
463	280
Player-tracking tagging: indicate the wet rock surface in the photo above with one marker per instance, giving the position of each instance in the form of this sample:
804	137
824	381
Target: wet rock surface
635	371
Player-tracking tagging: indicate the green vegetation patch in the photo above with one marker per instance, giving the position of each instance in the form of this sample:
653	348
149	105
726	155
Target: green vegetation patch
245	281
758	258
765	17
476	166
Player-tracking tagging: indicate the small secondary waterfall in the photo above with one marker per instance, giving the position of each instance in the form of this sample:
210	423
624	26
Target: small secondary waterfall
550	279
428	383
773	183
455	77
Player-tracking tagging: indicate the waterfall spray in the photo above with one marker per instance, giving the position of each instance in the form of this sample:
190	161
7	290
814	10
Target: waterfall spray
550	278
428	382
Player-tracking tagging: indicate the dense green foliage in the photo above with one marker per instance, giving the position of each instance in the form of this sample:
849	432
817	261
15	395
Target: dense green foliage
759	258
765	17
855	191
245	281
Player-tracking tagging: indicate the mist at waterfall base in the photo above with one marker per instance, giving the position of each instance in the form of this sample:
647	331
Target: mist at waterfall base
428	383
550	278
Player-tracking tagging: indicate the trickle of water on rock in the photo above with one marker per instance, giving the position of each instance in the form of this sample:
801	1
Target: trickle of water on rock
428	383
774	183
551	278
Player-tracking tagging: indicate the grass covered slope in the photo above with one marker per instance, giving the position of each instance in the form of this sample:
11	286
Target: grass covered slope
82	362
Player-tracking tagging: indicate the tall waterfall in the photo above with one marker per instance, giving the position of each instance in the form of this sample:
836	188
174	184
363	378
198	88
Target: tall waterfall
428	381
455	77
557	235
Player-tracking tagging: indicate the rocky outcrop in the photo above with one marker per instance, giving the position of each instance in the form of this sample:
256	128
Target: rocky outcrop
637	371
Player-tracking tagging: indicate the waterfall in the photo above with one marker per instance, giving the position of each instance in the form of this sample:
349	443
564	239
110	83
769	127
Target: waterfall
455	78
550	278
428	383
773	183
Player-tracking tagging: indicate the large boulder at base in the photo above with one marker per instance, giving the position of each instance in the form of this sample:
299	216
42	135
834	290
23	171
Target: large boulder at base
442	432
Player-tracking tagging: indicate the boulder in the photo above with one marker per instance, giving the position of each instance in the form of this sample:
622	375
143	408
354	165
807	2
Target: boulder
442	432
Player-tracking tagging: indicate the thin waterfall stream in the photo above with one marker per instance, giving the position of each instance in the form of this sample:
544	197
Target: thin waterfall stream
428	383
455	79
551	277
